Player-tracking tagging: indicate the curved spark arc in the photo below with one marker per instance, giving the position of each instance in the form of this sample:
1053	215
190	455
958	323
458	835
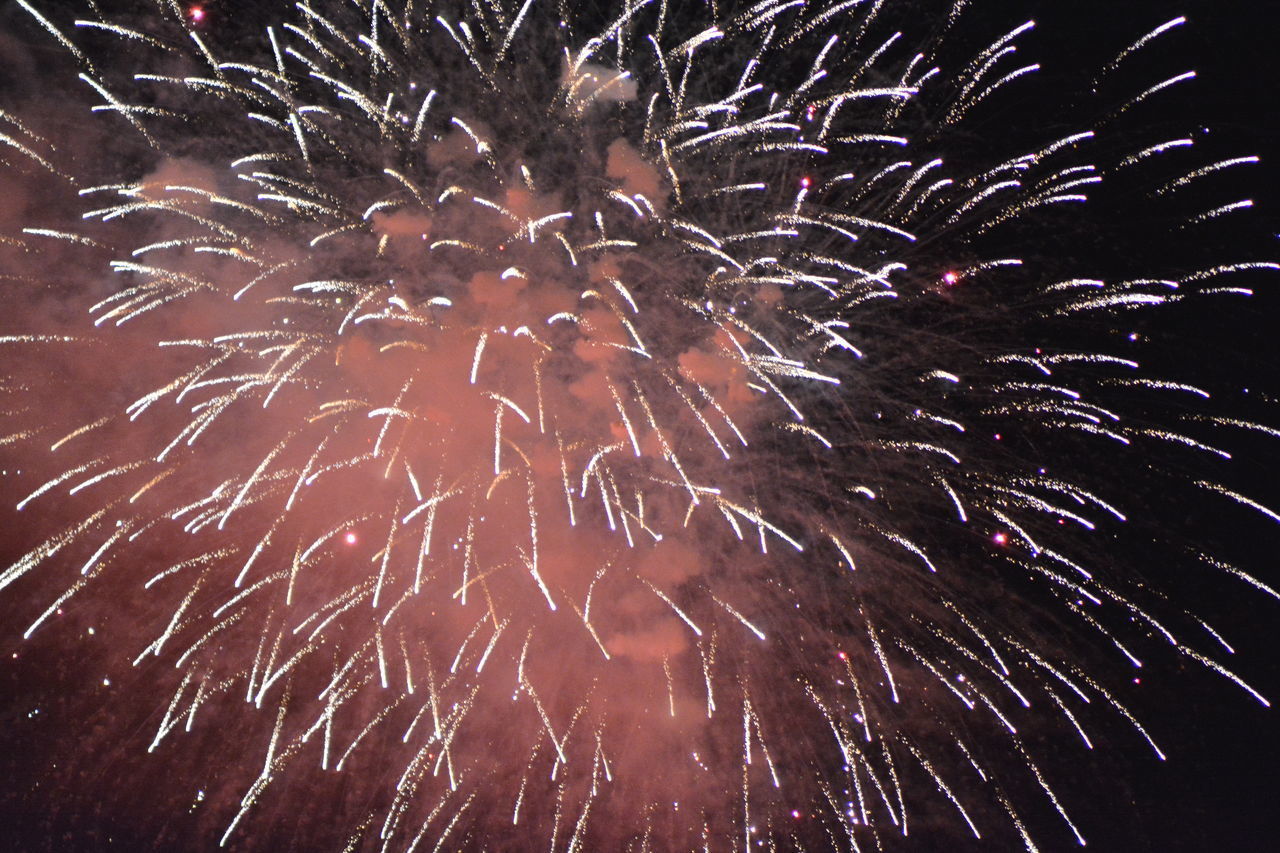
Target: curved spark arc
457	320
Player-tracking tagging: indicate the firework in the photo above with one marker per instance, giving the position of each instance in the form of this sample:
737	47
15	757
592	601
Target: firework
674	426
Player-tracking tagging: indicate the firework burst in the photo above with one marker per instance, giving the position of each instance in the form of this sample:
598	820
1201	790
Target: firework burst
523	425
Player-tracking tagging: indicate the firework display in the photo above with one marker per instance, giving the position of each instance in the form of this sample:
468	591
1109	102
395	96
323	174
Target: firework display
655	426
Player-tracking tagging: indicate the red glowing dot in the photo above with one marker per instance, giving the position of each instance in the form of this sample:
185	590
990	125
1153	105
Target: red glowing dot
795	814
842	656
997	436
350	538
196	14
1000	538
804	182
950	277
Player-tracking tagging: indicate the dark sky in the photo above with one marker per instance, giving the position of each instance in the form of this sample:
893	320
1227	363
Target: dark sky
1219	788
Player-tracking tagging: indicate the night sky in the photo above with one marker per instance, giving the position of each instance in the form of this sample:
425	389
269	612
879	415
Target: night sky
1220	786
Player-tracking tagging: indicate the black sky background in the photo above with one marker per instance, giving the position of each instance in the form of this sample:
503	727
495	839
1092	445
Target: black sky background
1220	788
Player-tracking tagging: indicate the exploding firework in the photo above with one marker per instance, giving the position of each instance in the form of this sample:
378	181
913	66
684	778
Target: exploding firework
665	426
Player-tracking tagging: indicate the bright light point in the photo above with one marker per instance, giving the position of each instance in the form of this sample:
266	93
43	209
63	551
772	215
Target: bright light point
950	277
842	656
804	182
1000	538
196	14
350	538
795	814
